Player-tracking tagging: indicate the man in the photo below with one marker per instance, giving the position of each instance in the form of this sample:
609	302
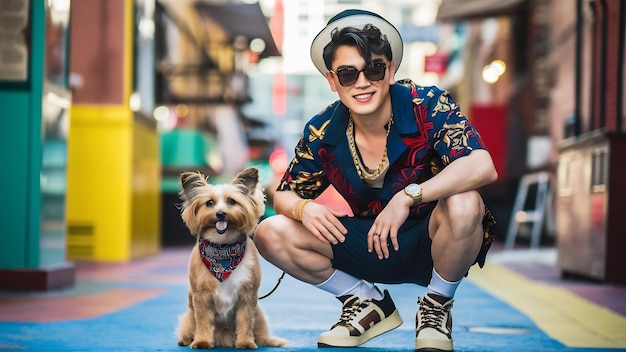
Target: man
408	164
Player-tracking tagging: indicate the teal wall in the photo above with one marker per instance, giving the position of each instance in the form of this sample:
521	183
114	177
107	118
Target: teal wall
20	156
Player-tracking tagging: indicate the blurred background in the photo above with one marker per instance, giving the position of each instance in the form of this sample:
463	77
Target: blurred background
104	102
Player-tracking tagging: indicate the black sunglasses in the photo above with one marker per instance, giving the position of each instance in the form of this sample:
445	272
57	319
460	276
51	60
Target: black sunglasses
349	75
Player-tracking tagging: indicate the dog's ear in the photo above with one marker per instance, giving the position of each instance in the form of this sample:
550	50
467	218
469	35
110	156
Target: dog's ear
249	178
190	181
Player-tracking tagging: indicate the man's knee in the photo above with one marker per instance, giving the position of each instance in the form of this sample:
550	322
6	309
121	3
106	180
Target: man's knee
267	236
464	207
462	213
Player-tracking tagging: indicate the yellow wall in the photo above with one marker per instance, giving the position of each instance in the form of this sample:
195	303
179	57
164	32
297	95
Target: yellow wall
145	188
113	176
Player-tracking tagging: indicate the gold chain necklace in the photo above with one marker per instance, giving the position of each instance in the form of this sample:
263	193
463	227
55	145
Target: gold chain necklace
360	168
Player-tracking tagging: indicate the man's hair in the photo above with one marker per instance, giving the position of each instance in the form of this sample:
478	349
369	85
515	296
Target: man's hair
368	41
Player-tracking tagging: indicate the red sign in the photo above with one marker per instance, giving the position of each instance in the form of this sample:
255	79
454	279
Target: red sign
437	63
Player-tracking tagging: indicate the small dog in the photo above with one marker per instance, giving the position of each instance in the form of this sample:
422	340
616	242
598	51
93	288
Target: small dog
224	268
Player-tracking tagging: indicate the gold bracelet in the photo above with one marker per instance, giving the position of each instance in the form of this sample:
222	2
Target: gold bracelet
297	211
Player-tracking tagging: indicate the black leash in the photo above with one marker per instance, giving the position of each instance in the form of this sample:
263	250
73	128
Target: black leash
275	286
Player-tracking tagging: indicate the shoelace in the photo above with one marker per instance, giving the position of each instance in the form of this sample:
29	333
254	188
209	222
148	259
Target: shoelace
432	316
350	312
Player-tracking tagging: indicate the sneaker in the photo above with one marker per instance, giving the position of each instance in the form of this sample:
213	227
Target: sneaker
361	321
433	323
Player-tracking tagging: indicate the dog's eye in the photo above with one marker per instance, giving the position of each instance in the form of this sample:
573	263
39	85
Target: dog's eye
231	201
210	203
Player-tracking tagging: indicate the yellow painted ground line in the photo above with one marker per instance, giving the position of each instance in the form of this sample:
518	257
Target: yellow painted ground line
561	314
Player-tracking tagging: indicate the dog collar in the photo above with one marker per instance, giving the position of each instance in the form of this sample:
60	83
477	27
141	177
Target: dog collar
222	259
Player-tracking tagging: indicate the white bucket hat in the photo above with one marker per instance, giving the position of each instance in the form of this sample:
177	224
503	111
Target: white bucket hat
358	19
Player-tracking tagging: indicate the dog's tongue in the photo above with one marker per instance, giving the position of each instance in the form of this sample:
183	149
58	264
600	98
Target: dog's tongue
221	225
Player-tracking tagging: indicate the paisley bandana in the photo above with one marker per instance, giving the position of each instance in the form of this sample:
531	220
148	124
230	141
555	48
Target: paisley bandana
222	259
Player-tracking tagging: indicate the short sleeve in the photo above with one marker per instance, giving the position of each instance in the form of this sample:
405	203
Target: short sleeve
454	136
304	175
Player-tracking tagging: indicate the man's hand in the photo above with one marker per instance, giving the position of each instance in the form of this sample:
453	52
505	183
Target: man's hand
386	226
322	222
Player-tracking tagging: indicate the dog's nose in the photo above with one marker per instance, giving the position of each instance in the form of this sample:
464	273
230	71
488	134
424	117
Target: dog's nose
220	214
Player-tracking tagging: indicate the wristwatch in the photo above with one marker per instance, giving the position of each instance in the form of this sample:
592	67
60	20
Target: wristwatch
414	191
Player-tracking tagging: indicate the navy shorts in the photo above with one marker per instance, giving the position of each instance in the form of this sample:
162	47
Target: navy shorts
412	263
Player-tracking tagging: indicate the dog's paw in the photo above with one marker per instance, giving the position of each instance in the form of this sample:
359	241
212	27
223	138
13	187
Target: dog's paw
246	344
185	341
201	344
273	342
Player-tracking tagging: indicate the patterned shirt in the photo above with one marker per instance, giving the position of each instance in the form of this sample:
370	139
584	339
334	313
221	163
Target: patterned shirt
428	132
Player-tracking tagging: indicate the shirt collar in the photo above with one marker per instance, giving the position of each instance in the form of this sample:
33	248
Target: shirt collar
401	104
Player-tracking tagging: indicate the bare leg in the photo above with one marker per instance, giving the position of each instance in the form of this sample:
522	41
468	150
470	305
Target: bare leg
456	232
289	246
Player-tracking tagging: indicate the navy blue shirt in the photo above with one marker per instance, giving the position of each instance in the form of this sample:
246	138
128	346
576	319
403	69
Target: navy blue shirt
427	133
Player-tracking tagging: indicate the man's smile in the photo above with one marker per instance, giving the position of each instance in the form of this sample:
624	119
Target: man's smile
363	97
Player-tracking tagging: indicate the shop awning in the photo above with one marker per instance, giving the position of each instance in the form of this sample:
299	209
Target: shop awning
475	9
241	19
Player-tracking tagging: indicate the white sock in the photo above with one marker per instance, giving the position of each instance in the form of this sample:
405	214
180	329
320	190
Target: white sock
442	287
340	284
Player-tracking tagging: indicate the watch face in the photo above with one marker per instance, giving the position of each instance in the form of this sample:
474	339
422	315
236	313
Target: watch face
413	189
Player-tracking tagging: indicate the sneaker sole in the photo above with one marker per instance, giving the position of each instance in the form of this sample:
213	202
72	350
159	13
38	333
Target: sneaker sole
390	323
424	345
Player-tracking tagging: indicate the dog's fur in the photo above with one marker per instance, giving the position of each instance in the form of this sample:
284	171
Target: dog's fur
224	313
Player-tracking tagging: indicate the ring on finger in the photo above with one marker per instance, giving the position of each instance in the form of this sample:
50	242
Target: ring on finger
376	235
